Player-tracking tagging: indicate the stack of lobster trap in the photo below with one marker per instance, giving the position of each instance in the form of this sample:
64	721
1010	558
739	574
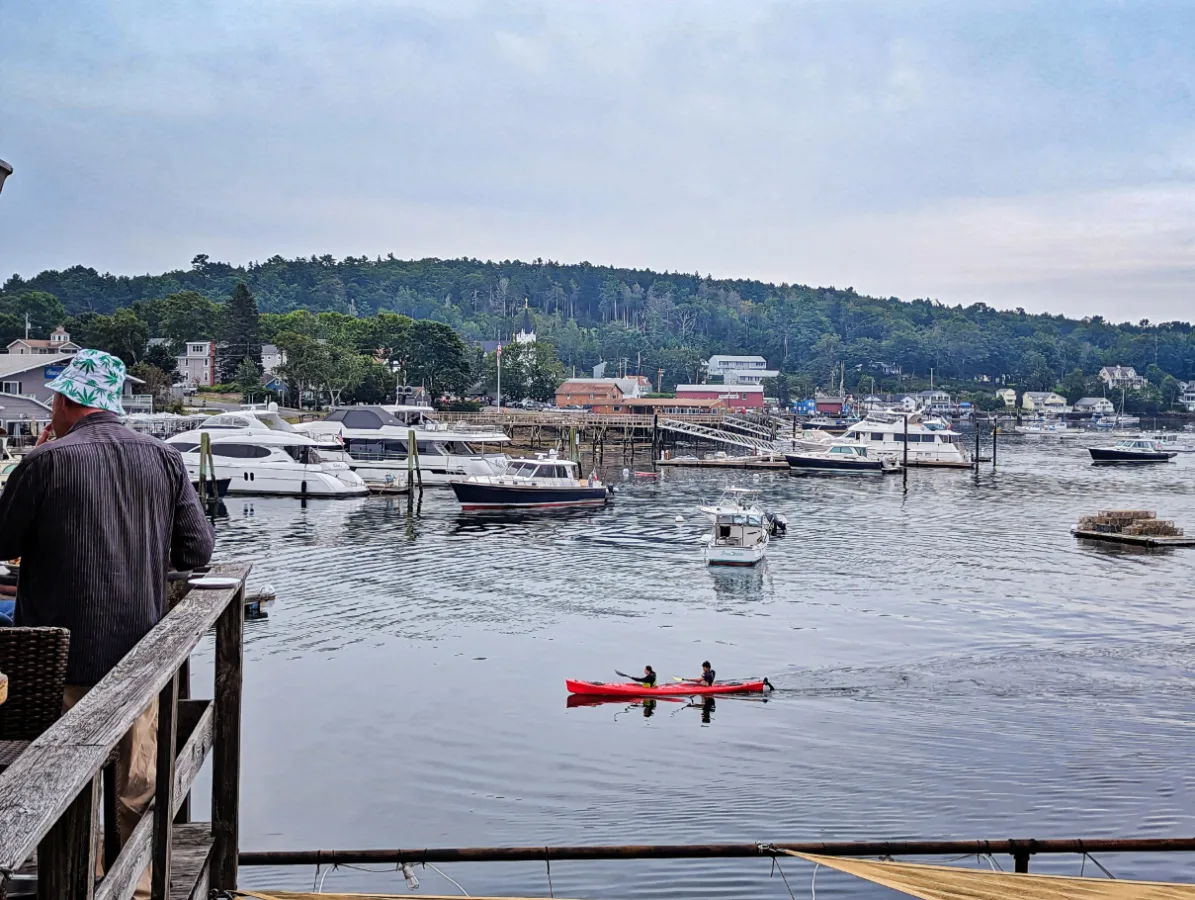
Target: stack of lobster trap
1136	522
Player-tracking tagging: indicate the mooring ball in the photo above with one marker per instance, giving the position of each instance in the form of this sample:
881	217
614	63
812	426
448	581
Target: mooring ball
680	519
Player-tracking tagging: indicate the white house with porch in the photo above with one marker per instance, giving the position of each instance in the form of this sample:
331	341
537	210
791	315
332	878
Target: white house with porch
1094	406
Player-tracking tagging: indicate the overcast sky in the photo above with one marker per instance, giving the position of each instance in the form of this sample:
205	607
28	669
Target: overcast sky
1021	154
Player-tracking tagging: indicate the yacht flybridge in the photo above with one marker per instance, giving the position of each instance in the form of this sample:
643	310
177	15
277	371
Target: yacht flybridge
931	443
374	441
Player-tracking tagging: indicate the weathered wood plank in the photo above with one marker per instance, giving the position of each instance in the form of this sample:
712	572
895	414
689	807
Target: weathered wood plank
226	753
164	789
191	877
44	780
36	790
66	855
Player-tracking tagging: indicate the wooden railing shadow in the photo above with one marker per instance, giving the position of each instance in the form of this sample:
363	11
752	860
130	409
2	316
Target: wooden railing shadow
50	795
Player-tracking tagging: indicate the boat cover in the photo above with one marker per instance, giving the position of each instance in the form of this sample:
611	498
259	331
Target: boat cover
956	883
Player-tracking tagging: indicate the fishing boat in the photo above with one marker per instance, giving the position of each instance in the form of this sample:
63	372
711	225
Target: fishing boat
1132	450
1173	440
841	459
541	483
738	538
687	689
1047	429
1119	421
738	499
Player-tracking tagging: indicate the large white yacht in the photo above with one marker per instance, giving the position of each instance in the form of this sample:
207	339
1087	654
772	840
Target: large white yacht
931	442
376	439
261	453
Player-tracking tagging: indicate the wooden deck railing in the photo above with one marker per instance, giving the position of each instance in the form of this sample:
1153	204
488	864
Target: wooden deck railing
50	796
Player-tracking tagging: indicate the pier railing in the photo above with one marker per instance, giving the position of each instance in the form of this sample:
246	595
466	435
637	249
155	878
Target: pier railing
50	797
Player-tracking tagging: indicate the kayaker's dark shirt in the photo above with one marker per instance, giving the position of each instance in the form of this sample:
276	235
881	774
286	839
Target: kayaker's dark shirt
646	680
708	677
97	517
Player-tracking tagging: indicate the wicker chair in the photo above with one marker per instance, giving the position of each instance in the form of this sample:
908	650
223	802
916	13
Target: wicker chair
34	659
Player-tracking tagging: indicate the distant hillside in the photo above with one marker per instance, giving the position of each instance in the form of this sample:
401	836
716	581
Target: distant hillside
664	320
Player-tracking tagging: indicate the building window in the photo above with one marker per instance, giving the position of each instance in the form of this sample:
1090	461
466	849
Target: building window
11	387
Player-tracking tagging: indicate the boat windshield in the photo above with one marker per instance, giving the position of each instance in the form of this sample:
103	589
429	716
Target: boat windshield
274	422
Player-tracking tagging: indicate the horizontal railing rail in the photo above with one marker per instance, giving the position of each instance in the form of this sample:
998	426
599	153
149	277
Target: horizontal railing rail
1018	848
49	796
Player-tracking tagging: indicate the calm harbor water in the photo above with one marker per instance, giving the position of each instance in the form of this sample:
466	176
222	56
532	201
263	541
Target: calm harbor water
950	663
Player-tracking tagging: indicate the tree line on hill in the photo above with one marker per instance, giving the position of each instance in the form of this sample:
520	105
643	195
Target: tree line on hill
324	308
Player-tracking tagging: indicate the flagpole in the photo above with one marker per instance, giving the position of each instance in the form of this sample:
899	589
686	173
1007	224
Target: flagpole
499	355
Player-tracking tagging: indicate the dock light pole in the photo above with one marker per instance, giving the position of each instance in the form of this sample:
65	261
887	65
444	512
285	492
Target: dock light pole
5	171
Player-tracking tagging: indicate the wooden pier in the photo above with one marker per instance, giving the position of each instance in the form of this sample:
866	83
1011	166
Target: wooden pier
50	793
726	462
1138	527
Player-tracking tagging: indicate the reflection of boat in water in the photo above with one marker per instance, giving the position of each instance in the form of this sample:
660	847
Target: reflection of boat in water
707	705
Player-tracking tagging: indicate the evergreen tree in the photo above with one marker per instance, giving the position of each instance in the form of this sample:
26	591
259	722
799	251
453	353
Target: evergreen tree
241	333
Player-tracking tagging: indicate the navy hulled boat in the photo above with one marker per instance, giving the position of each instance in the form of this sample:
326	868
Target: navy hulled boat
1132	450
841	459
545	482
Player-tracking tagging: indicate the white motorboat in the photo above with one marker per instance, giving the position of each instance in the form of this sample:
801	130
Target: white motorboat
259	459
1047	429
931	443
737	537
1118	421
737	499
377	439
1173	440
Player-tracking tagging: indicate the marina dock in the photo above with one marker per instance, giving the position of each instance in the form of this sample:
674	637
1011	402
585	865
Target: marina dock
1140	540
1139	527
726	462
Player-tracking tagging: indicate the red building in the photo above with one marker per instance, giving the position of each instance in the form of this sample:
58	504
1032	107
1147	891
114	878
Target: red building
732	396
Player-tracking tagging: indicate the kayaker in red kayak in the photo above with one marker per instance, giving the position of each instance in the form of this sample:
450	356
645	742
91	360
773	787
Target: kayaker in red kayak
648	679
707	675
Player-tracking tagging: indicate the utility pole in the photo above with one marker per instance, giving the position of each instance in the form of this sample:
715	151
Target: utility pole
659	381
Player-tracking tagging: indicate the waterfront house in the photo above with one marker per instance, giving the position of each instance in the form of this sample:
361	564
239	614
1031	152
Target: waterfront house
733	396
936	402
739	369
1009	396
59	344
1122	377
1094	406
601	395
197	364
1046	402
1187	397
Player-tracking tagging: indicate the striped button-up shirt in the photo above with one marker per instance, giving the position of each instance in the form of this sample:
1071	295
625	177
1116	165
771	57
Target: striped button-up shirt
97	517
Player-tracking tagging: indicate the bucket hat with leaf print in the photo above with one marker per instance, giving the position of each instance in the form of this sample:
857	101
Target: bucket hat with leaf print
93	378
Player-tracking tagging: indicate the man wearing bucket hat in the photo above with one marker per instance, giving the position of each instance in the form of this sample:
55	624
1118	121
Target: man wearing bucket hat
97	516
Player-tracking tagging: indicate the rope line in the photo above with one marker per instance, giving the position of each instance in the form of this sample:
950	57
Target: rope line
548	863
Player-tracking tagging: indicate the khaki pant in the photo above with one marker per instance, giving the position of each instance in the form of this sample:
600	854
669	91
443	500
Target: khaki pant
136	769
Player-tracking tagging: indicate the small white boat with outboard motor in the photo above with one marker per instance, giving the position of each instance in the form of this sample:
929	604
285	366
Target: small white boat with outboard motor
739	499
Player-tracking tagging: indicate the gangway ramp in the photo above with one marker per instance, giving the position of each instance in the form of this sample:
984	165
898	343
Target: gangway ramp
717	435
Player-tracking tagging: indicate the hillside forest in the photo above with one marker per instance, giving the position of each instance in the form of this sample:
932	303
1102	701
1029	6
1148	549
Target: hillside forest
339	320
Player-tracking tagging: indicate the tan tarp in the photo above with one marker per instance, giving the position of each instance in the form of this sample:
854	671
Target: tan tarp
956	883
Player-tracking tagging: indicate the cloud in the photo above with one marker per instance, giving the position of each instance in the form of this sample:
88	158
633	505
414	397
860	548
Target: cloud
1031	155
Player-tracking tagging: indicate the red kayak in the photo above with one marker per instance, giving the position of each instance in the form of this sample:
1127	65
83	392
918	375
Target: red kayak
622	689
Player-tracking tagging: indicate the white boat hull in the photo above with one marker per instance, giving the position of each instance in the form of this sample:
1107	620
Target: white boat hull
734	556
285	481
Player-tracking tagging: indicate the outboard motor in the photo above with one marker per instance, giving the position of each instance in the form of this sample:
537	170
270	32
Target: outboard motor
777	524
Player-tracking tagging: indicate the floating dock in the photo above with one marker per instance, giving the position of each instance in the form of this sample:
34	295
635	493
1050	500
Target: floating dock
728	462
1141	540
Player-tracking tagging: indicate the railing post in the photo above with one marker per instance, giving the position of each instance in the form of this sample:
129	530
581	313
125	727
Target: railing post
164	789
1021	862
66	855
226	750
